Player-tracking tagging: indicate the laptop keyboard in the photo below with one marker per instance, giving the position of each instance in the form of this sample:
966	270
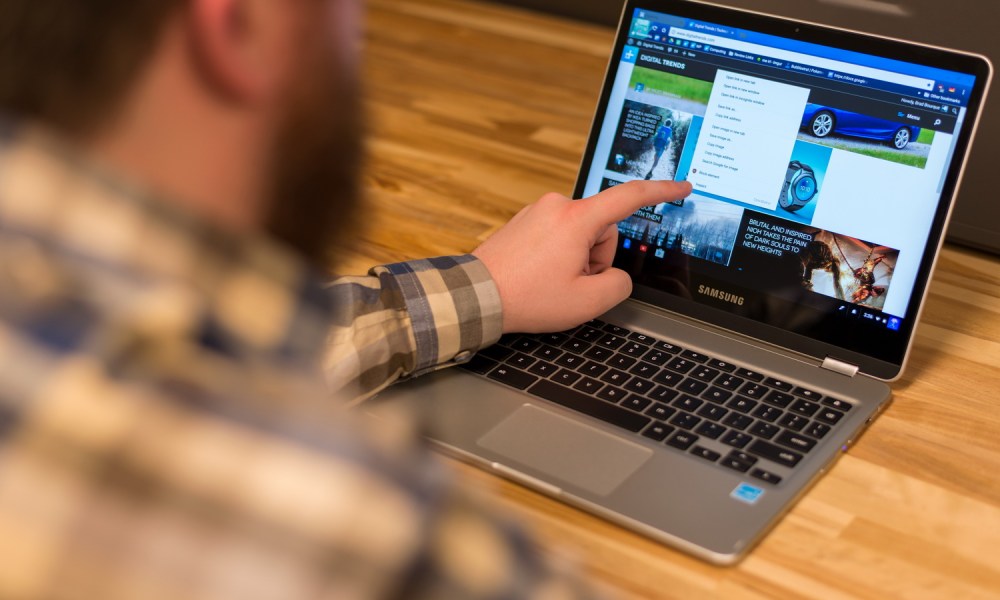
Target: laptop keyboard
712	409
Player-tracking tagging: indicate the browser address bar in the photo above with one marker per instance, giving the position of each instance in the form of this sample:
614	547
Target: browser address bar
822	63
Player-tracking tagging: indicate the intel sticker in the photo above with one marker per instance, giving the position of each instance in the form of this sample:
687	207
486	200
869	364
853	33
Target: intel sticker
745	492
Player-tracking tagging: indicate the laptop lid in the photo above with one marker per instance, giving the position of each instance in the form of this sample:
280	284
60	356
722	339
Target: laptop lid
824	164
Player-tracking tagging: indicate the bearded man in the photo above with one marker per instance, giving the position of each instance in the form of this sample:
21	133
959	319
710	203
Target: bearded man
172	173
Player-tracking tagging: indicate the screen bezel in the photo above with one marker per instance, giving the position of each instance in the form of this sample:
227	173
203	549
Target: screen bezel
884	362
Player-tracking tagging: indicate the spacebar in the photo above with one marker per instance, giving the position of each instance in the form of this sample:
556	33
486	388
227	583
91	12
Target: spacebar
588	405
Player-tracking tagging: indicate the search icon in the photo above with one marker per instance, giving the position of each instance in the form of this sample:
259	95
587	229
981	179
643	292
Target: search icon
937	122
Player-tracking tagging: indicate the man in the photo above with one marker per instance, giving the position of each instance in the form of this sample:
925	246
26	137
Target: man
169	169
661	139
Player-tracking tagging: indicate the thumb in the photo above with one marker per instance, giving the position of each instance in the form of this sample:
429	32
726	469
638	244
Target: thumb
604	290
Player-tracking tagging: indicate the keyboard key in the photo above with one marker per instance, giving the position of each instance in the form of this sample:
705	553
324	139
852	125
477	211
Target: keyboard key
496	352
817	430
807	394
830	416
767	476
543	368
721	365
593	369
635	402
590	406
795	441
620	361
663	394
688	403
778	384
701	452
588	385
521	360
743	456
566	377
717	395
764	430
793	422
657	431
695	356
612	394
612	342
599	353
634	349
548	353
642	338
668	378
754	390
570	361
644	369
710	430
553	339
616	329
479	364
751	375
667	347
639	385
660	411
525	344
730	382
744	405
575	346
736	439
685	420
588	334
768	413
739	461
713	412
681	365
657	357
838	404
779	399
692	386
777	454
615	377
512	377
804	408
595	323
737	421
682	440
704	374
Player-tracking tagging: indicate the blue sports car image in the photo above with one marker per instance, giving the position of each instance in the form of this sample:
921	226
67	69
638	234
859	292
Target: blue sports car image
822	121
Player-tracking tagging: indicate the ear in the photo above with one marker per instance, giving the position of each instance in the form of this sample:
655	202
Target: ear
242	46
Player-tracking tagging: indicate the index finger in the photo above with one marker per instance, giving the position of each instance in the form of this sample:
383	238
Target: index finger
617	203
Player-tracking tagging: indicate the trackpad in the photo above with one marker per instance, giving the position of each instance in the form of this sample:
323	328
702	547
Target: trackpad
568	451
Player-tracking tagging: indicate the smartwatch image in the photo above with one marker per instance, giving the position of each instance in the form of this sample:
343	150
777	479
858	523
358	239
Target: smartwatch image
799	188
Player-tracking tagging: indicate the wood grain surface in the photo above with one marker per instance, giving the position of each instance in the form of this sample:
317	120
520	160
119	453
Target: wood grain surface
476	110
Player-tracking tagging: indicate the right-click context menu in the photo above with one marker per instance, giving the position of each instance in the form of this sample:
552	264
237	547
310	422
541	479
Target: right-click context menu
748	135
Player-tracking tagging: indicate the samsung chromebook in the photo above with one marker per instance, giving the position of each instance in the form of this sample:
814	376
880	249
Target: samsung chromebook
769	308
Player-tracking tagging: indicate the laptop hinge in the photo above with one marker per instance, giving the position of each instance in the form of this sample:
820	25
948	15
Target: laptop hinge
839	366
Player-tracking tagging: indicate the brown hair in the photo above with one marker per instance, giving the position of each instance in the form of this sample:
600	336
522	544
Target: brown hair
69	63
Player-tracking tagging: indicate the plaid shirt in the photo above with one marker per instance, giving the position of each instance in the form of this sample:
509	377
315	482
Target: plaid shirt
165	430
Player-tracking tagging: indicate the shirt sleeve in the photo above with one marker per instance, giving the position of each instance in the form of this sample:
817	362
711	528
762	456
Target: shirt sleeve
406	319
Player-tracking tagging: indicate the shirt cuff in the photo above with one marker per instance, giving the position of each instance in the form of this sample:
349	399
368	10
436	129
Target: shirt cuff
453	304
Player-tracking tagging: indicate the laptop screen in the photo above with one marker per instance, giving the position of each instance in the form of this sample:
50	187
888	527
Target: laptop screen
822	163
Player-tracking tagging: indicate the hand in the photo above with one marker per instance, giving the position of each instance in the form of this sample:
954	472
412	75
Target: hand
552	261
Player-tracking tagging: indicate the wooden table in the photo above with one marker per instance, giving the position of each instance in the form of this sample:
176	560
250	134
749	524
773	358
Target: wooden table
477	110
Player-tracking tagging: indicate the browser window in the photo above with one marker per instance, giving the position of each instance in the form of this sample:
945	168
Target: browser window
817	172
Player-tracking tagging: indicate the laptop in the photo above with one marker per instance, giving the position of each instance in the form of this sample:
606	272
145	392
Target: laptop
770	307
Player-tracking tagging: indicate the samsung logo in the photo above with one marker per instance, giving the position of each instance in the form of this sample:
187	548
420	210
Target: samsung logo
704	290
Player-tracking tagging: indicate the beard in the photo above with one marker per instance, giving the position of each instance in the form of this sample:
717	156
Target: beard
316	158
